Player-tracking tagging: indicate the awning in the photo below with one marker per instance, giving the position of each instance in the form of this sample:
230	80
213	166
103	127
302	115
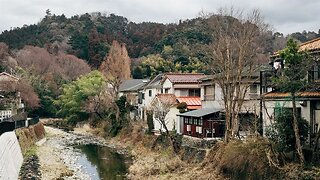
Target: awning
200	112
192	102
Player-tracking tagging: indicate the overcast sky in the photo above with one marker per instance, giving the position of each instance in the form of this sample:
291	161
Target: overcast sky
285	16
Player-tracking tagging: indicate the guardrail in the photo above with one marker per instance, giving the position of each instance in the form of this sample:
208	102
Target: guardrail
10	124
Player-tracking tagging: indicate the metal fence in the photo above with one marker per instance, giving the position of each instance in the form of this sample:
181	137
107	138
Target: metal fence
10	124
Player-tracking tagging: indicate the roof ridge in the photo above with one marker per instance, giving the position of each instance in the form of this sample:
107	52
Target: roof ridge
173	73
310	41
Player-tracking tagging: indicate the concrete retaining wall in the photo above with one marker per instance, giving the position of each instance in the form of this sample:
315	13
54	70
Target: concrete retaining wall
10	156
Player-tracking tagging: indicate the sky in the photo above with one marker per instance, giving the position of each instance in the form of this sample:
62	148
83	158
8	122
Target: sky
285	16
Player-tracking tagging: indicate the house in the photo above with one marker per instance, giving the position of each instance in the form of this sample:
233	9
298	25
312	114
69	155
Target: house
308	99
183	87
203	123
10	100
147	94
180	84
130	88
164	107
212	96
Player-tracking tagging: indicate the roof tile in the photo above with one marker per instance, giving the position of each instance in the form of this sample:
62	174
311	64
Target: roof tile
184	77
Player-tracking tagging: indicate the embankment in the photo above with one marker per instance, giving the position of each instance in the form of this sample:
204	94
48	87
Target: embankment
12	147
28	136
10	156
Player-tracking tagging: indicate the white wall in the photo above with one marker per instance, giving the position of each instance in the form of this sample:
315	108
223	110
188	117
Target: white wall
10	156
181	92
268	111
147	98
179	124
168	85
218	98
170	119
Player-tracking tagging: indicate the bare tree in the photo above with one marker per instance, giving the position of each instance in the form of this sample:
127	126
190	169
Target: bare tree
236	54
72	67
116	66
161	105
116	69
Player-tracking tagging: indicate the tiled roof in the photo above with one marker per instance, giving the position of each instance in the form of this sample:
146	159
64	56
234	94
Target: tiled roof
191	101
132	84
310	45
271	95
184	77
155	82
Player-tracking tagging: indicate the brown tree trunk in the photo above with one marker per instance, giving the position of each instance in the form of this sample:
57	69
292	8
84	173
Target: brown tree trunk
296	129
315	148
228	127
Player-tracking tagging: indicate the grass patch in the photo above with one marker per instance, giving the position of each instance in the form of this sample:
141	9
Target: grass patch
31	151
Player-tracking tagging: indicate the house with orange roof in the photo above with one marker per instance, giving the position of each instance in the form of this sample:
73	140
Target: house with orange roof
308	99
184	86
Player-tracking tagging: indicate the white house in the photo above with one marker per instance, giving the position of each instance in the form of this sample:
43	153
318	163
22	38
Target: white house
307	100
147	94
164	108
182	84
10	106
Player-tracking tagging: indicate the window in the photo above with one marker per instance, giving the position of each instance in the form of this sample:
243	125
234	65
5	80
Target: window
194	92
166	91
253	89
209	93
150	93
185	120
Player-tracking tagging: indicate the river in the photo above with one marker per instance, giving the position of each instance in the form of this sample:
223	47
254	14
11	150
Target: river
102	162
69	155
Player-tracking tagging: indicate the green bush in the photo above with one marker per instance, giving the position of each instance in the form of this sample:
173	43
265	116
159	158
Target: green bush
281	132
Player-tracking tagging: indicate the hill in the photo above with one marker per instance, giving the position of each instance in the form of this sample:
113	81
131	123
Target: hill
176	47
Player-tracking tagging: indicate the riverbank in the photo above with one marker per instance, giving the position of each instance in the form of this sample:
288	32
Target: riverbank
151	161
148	162
59	158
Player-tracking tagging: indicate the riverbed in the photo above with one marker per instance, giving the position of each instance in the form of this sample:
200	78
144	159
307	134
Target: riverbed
69	155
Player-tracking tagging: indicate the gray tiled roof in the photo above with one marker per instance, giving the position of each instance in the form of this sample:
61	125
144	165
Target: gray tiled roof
200	112
132	84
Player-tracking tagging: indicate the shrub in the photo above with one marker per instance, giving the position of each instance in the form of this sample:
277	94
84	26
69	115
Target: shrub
182	107
243	160
281	132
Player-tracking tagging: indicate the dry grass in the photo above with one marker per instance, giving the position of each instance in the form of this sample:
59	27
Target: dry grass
28	136
153	160
243	160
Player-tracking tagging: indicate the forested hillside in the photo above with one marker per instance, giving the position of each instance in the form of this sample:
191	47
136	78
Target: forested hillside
154	47
58	50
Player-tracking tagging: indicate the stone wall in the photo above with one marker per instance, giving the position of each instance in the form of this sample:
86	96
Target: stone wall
10	156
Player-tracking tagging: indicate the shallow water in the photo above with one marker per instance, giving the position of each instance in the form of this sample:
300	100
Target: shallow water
102	162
